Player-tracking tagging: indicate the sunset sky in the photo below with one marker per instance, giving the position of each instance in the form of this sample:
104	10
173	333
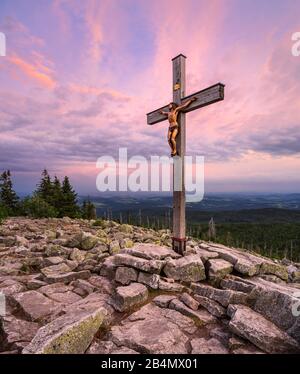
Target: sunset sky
80	75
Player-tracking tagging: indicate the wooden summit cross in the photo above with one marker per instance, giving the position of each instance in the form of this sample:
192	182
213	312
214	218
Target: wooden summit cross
204	97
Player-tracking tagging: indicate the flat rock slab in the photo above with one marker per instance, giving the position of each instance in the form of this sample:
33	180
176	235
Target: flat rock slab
129	296
264	334
17	333
68	277
206	255
247	263
126	275
150	280
234	283
164	285
149	266
189	301
187	269
242	262
54	288
223	297
151	251
35	305
153	330
102	284
105	347
218	268
60	292
276	303
201	317
270	267
211	306
55	260
210	346
163	301
54	270
70	333
91	303
10	287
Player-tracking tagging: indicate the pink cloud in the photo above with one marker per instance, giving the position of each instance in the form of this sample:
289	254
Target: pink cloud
39	74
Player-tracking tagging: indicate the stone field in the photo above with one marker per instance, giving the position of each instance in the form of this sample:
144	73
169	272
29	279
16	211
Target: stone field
76	286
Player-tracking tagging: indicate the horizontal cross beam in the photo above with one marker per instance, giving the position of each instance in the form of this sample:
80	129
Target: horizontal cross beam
204	97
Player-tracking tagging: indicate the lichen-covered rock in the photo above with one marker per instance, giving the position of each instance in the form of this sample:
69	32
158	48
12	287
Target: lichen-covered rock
78	255
88	241
114	247
188	269
126	228
270	267
70	333
55	250
218	268
127	243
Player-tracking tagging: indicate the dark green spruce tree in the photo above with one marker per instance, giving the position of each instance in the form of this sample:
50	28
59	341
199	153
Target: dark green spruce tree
9	200
69	205
57	196
45	188
88	210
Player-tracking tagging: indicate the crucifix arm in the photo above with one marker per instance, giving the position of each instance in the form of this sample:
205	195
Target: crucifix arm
204	97
186	104
163	113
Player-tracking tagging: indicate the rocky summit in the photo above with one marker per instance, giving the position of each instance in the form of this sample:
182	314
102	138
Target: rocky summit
78	286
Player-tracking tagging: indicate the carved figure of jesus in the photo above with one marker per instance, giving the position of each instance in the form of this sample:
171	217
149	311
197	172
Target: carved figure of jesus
173	130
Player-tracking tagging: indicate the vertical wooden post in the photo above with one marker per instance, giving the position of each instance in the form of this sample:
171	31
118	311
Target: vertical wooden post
179	238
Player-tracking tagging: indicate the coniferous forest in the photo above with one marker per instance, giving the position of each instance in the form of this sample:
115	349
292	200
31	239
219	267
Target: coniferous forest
52	198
